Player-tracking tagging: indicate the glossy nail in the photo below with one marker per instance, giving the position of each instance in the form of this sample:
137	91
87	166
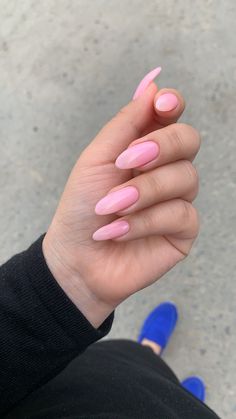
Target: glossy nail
146	81
111	231
137	155
167	102
117	201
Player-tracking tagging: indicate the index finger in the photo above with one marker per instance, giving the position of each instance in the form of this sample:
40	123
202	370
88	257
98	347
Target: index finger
172	143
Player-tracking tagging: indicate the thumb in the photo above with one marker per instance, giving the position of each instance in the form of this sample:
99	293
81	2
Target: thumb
129	124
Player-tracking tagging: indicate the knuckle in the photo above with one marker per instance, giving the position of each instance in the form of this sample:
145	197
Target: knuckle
189	218
194	221
192	134
185	211
180	131
155	185
124	114
176	140
148	221
191	172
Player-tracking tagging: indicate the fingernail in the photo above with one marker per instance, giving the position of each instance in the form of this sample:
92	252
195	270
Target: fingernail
137	155
117	201
166	102
146	81
111	231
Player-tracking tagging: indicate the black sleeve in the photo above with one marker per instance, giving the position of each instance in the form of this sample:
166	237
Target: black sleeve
41	329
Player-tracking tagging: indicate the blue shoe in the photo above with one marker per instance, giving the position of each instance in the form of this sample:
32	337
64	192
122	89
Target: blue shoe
160	324
195	386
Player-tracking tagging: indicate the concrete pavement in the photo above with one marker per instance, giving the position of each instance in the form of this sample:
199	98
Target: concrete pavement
65	68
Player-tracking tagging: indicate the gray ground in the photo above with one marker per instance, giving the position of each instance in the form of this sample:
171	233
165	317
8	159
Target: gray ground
66	66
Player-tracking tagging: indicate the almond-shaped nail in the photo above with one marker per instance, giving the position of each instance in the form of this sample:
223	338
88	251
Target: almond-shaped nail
137	155
167	102
143	85
117	201
111	231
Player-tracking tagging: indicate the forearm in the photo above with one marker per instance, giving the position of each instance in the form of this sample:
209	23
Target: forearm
41	329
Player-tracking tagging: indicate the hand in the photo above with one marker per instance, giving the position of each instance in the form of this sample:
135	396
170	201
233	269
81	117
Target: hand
158	227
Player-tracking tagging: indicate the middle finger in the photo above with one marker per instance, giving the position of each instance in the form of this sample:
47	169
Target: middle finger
174	180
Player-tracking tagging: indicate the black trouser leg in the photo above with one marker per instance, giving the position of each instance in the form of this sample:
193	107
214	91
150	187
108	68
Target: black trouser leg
114	379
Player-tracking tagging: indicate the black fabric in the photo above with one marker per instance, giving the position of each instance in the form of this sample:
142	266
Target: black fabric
113	379
41	329
42	332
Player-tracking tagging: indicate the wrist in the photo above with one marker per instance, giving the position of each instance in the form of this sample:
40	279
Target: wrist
74	286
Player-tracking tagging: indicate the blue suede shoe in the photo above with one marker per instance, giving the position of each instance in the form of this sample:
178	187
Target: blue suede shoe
160	324
195	386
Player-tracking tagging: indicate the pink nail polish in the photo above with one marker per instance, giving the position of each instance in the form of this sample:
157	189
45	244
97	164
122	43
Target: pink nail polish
166	102
137	155
111	231
146	81
117	201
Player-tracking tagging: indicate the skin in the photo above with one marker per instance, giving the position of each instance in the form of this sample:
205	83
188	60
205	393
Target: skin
98	276
153	345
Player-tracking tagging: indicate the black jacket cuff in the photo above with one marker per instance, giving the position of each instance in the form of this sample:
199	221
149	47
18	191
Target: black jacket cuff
58	304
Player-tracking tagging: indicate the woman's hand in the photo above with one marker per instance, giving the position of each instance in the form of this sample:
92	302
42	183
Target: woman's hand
157	222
